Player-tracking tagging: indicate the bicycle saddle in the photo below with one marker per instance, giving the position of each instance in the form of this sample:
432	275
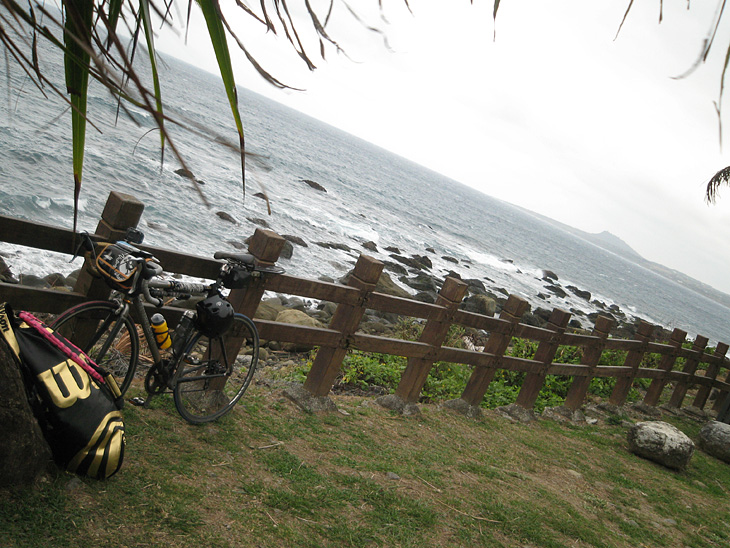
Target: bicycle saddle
243	258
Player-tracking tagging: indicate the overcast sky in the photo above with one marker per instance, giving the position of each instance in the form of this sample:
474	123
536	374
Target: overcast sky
554	115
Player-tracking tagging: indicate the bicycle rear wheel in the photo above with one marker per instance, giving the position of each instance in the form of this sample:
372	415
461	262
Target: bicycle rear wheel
112	344
210	379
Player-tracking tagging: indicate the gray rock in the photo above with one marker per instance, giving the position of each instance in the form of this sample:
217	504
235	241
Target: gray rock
517	413
226	217
662	443
464	408
334	245
479	304
307	401
562	413
186	173
549	275
421	282
56	279
397	404
715	440
580	292
556	290
314	185
33	281
287	250
295	240
370	246
259	221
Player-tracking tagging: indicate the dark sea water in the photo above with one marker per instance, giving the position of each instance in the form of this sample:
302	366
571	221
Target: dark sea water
372	195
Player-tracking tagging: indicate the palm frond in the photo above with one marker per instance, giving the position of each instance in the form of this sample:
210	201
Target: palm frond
720	178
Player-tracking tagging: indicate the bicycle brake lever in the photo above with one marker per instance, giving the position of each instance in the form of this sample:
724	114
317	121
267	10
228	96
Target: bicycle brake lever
86	242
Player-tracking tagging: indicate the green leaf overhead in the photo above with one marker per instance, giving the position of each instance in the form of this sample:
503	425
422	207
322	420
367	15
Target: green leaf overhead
77	39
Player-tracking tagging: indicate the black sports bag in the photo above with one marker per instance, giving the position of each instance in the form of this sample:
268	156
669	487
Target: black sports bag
76	403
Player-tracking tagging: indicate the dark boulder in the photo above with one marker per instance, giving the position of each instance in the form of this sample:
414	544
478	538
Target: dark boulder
226	217
370	246
450	259
580	292
295	240
314	185
259	221
334	245
556	290
422	282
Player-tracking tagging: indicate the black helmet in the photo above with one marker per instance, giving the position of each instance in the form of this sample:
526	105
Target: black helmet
215	316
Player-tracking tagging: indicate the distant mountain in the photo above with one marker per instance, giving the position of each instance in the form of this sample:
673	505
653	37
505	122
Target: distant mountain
610	242
613	244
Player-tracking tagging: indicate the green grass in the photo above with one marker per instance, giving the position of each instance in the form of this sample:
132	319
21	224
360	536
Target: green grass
270	475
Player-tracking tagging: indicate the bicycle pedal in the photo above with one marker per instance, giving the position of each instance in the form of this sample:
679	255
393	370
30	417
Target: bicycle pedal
139	402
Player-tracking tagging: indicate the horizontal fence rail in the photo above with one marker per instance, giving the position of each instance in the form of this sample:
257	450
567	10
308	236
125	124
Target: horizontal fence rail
353	300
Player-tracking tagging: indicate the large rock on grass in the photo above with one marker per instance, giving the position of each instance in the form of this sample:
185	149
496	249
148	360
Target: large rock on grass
297	317
662	443
715	440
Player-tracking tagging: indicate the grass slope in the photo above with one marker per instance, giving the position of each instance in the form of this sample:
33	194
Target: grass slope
269	475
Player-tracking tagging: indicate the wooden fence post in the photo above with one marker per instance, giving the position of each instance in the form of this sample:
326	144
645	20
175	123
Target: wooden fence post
633	360
712	370
591	356
497	344
121	212
544	354
346	319
416	372
690	366
721	396
265	246
665	364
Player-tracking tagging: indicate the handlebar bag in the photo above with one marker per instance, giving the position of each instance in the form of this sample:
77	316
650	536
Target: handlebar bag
116	266
76	405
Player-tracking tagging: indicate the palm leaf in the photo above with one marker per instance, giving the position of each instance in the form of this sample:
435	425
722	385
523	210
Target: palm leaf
214	21
144	10
77	38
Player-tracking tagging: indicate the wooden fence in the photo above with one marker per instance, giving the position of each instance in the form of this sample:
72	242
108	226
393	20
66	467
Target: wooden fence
354	299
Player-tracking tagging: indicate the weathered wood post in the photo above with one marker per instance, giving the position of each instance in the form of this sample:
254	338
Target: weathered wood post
265	246
721	396
544	354
690	366
416	372
712	370
591	356
496	345
666	363
633	360
121	212
346	319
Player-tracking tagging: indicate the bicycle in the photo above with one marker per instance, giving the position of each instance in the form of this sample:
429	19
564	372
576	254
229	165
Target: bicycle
197	367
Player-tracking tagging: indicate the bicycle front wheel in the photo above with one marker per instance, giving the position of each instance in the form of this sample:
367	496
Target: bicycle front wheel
95	327
210	378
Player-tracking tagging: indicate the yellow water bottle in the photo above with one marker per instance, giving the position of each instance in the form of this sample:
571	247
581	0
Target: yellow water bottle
162	334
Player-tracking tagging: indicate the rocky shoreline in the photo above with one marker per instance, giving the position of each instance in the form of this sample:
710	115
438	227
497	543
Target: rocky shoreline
401	271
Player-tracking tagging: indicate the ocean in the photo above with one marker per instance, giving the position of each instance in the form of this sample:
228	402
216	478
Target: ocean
371	195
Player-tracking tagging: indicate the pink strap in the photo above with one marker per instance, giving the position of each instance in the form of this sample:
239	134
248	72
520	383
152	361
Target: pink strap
63	346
